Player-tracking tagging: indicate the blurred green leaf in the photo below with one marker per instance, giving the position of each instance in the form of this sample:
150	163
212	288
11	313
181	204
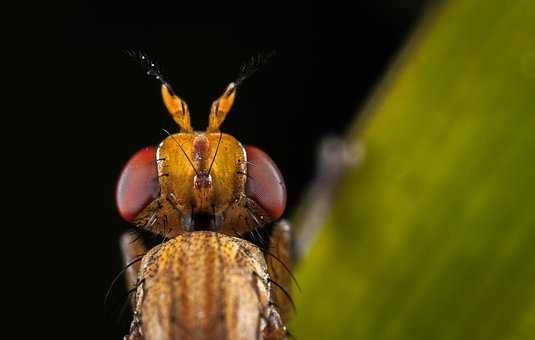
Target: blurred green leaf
433	236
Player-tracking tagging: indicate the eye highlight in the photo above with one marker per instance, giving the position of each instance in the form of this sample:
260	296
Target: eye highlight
264	183
138	184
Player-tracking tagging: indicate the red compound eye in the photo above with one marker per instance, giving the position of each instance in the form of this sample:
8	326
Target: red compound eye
138	184
265	184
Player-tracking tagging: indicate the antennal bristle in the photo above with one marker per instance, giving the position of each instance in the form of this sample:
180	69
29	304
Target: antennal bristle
149	65
253	65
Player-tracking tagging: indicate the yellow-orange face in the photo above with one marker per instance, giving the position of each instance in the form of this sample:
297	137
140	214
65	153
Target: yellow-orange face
200	180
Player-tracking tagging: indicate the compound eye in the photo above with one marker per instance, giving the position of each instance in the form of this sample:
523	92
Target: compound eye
265	184
138	184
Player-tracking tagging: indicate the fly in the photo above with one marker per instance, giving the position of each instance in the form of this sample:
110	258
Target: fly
224	268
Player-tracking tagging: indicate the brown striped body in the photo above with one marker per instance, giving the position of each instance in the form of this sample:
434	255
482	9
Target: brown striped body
205	285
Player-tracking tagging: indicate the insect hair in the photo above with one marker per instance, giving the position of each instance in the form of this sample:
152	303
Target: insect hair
118	308
149	65
253	65
257	236
125	300
116	278
284	266
279	286
215	154
184	152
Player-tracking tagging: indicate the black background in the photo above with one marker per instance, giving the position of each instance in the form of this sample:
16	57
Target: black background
85	108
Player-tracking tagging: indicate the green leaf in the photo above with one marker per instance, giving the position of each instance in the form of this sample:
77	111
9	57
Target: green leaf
433	236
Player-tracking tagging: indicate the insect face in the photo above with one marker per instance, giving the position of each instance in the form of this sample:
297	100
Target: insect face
200	180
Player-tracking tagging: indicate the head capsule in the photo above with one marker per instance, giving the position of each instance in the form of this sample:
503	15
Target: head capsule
200	180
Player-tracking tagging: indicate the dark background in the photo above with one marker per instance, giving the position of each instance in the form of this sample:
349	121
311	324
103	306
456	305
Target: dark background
85	108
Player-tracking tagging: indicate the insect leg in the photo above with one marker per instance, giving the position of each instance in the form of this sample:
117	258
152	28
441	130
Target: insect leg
279	262
133	249
335	156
